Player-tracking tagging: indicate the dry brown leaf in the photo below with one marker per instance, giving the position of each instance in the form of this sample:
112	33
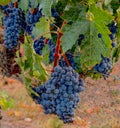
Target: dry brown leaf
80	121
11	81
93	110
10	113
18	113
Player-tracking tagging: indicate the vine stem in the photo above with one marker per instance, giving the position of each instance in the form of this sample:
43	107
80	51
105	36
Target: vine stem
66	60
1	27
16	5
57	49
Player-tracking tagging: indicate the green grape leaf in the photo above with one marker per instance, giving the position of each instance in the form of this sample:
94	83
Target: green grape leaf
5	101
92	46
45	53
118	25
42	28
38	67
115	4
27	82
33	3
74	12
106	2
3	94
101	21
46	7
13	1
116	52
28	48
10	102
71	33
23	4
4	2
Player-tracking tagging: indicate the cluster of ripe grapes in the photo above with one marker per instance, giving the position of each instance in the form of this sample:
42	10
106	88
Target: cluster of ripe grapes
16	23
104	67
113	29
40	44
13	25
60	94
32	18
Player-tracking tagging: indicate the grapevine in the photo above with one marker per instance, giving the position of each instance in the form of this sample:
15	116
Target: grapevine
75	39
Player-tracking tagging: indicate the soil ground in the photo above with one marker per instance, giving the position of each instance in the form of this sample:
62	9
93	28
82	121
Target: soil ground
99	106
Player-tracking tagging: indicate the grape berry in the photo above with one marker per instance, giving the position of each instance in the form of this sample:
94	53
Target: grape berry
81	37
99	35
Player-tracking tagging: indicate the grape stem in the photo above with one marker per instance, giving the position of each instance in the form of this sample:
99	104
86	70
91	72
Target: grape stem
16	5
57	48
66	60
1	27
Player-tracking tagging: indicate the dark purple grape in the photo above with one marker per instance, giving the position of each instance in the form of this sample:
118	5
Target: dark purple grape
114	44
54	13
81	37
99	35
113	27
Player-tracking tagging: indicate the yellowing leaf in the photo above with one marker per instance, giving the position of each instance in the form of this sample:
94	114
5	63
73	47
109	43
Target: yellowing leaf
4	2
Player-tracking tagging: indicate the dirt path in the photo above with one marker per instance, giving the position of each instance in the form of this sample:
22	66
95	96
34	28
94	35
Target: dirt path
99	106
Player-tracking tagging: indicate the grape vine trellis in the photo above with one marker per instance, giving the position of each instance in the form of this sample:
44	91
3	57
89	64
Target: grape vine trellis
78	38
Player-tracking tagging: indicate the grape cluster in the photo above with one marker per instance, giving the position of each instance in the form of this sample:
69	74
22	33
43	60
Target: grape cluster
7	8
104	67
52	50
13	24
81	37
39	45
70	58
32	18
54	13
60	94
4	8
113	29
